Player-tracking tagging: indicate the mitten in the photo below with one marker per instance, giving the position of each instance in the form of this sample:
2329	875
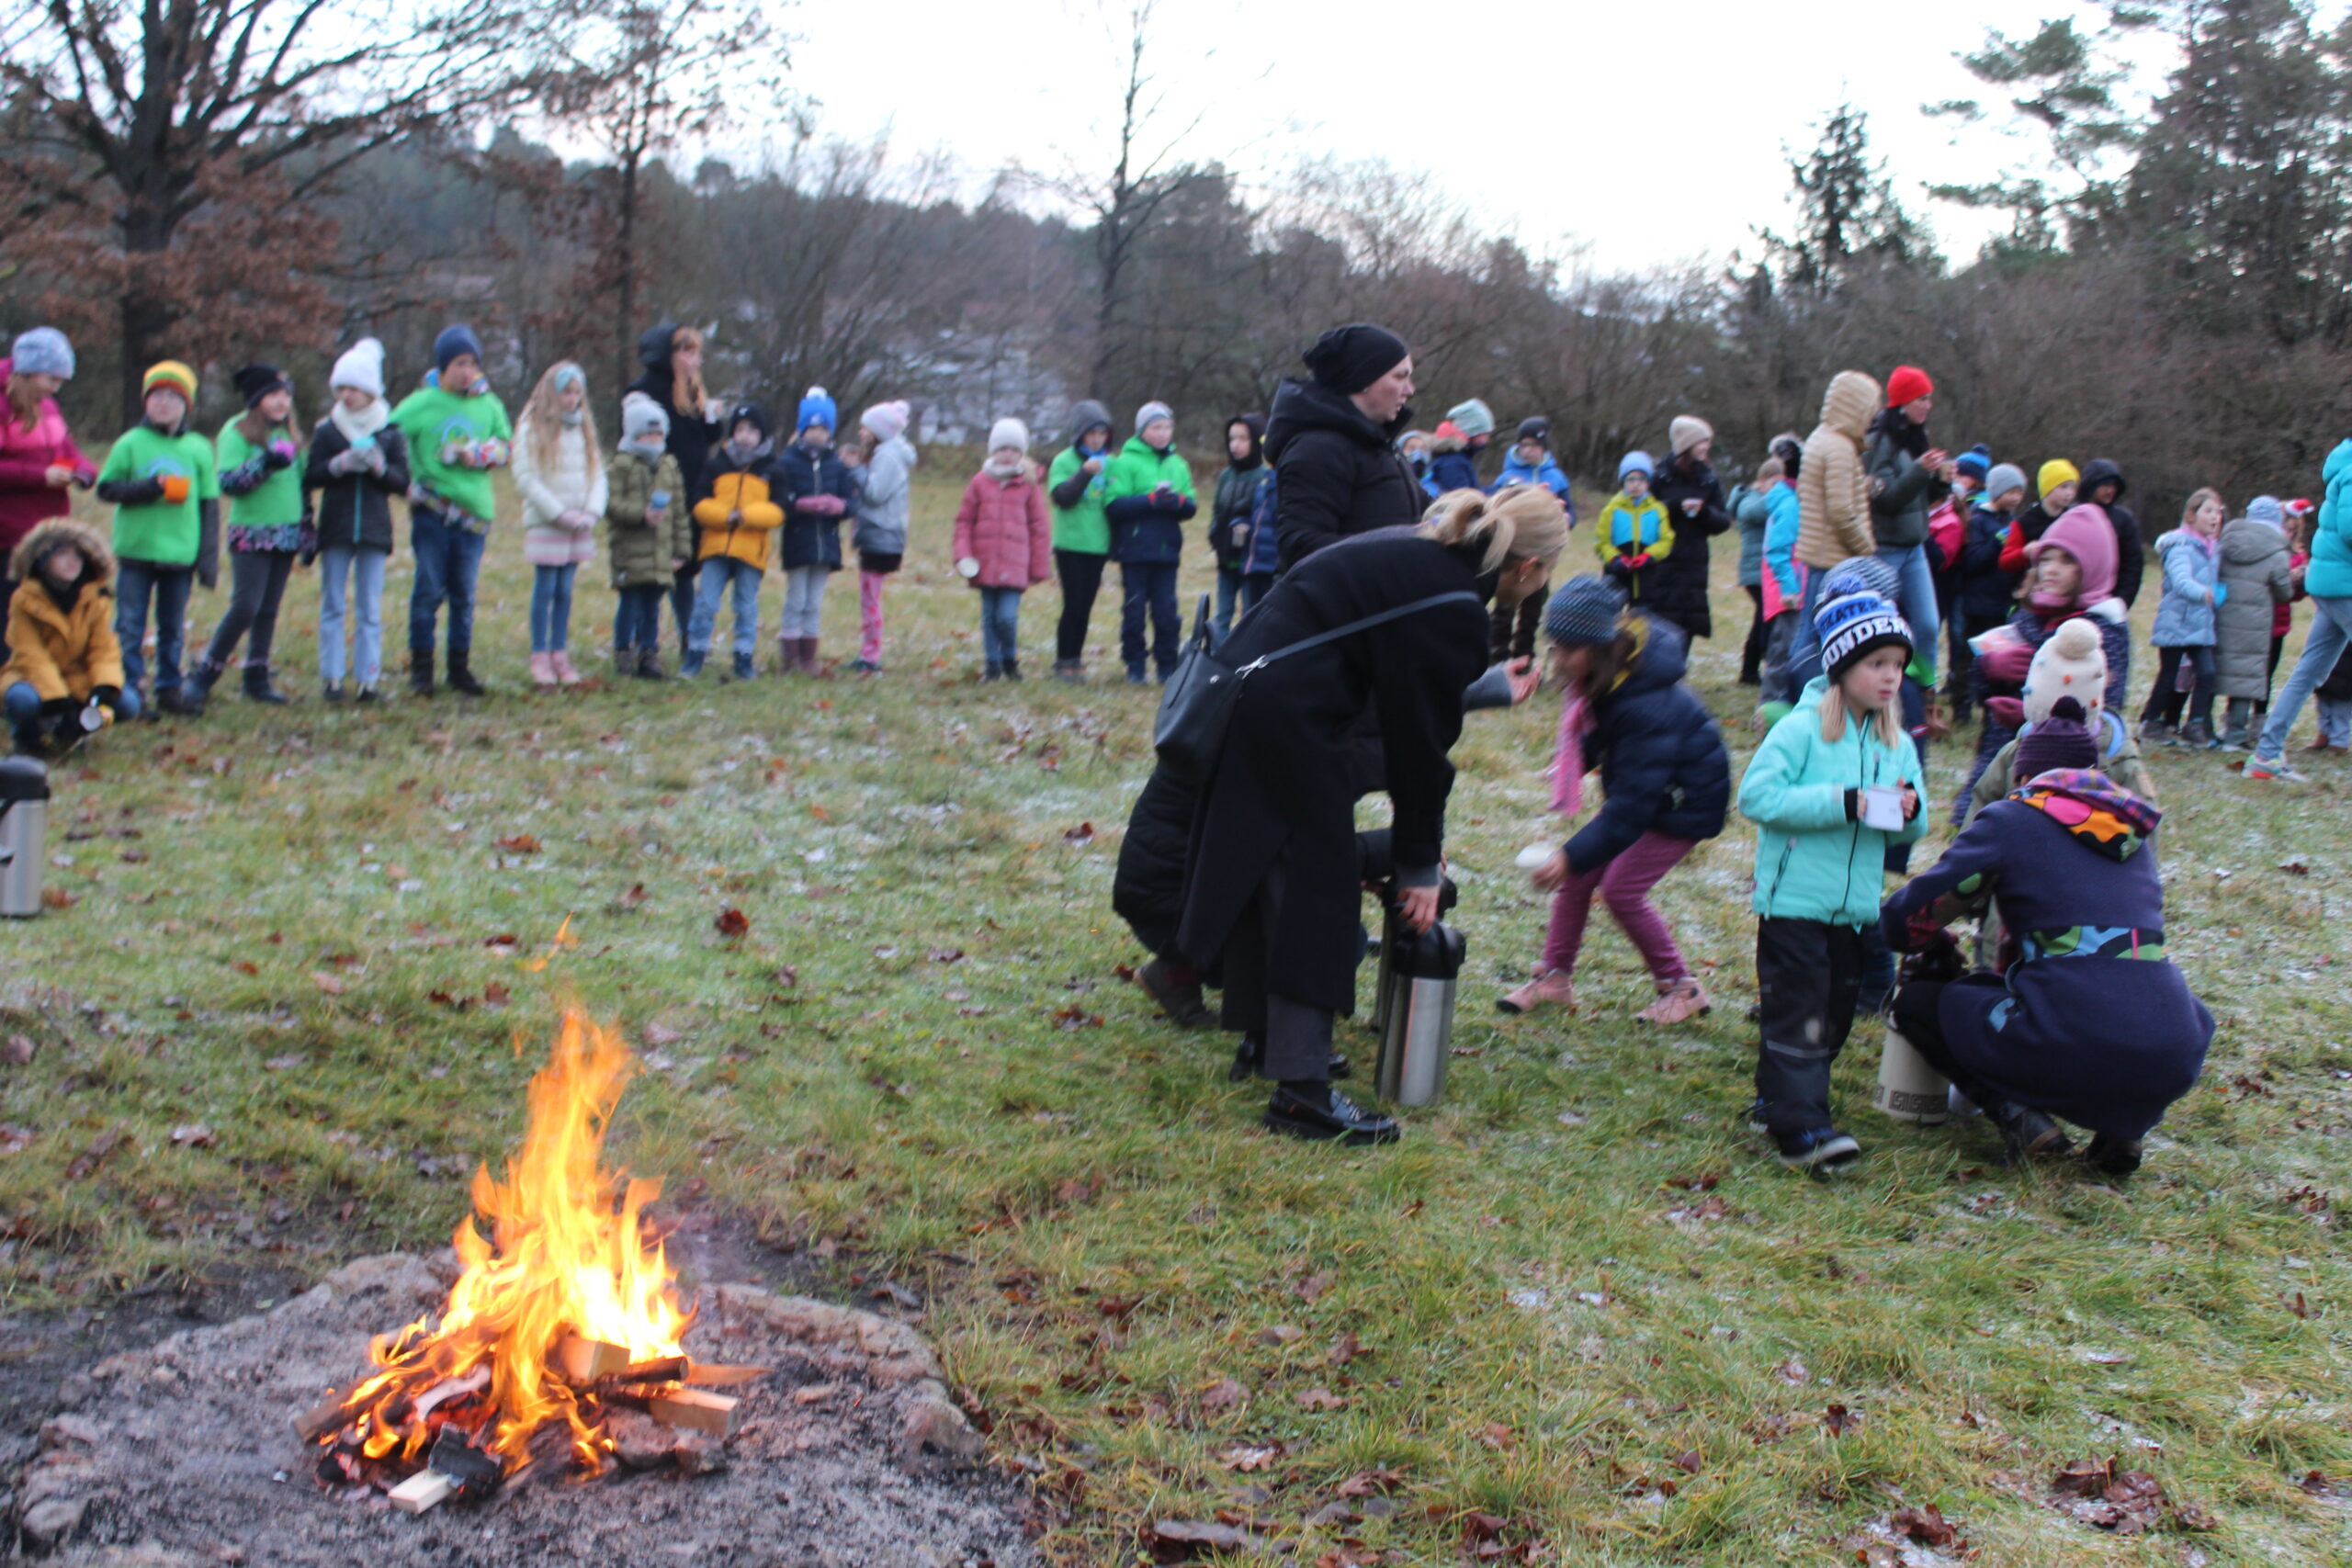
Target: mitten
279	453
348	461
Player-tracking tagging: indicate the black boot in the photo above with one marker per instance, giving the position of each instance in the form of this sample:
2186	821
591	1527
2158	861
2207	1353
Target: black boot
1012	669
461	673
181	702
257	686
2028	1134
1182	1004
420	672
2112	1157
648	664
1319	1112
201	680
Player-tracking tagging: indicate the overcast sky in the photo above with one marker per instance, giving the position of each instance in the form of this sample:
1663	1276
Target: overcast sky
1646	133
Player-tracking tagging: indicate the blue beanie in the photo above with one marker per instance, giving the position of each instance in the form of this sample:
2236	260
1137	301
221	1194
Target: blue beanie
817	407
1584	611
1977	462
2265	509
1635	463
1854	625
43	352
456	339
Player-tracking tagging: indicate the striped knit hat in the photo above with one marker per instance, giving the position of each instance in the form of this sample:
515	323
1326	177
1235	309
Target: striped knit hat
169	373
1855	626
1584	611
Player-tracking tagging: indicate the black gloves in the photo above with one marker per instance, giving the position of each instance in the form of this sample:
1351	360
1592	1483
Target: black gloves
107	696
58	707
1853	806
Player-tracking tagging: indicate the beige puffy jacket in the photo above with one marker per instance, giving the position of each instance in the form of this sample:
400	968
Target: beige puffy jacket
1833	492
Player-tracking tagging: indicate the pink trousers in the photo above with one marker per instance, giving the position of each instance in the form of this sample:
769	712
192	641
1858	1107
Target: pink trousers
869	614
1624	886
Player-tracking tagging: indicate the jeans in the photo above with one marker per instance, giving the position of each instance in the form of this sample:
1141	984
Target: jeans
2322	646
1914	598
551	607
136	581
684	589
1229	593
718	575
1081	580
1001	625
2336	722
449	563
2164	700
365	570
804	602
1808	975
637	619
1150	589
1624	886
24	709
256	585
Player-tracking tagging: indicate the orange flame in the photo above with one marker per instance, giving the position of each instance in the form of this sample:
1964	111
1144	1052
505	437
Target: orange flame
565	1257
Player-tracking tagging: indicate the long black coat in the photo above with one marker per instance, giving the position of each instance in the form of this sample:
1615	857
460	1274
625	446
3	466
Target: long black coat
355	510
1337	474
1663	766
1284	791
1677	584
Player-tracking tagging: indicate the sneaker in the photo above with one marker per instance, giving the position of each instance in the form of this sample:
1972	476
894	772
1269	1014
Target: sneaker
1756	1122
332	691
2152	732
370	694
1335	1117
1182	1004
2275	768
693	663
1550	987
2112	1157
1681	999
1817	1149
1136	677
565	675
863	667
542	670
994	672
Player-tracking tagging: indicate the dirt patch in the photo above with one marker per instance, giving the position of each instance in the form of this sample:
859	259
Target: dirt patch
182	1454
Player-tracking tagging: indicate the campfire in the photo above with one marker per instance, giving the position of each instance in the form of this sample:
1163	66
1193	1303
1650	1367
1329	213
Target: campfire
562	1320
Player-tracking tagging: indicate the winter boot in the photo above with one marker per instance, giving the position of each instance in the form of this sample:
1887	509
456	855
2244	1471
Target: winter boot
691	665
542	671
420	672
1069	672
202	679
1012	669
259	690
461	673
1548	989
743	667
995	671
787	656
648	664
1677	1001
181	702
624	662
808	665
565	675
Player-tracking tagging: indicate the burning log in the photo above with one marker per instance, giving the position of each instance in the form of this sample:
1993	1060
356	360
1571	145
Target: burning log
324	1418
691	1408
590	1360
661	1368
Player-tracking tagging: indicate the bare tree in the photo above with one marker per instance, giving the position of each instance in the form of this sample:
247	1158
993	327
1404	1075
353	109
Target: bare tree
137	119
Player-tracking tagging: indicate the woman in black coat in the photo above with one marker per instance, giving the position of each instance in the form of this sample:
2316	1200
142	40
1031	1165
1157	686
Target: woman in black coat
1331	441
1687	487
672	355
1274	890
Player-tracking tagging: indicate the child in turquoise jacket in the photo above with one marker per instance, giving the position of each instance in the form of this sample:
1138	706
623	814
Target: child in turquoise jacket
1833	783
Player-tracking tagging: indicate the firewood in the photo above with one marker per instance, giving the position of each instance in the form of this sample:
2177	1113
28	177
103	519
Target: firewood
449	1389
426	1489
697	1411
477	1474
711	1376
321	1419
585	1360
661	1368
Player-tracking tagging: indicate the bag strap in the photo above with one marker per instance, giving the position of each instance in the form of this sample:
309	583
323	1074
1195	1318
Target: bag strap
1353	627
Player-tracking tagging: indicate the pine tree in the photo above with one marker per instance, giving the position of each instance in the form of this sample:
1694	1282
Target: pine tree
1848	211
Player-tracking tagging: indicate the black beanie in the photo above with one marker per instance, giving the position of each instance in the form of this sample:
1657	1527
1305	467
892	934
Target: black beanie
1535	428
1348	359
2062	740
257	380
747	413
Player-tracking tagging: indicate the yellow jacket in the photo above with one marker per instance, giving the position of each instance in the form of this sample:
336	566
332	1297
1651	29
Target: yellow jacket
62	652
738	488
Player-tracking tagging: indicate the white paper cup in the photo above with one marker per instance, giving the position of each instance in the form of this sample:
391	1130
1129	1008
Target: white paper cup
968	567
1533	856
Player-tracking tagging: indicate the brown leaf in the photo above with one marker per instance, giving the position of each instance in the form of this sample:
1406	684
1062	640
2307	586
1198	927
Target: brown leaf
1311	1288
733	922
787	977
1248	1457
1185	1534
96	1153
945	955
520	845
1320	1398
2316	1482
633	898
1372	1483
1076	1017
1792	1372
495	995
2084	1478
1079	836
192	1135
1498	1436
1925	1525
14	1139
56	898
1840	1420
1280	1333
245	966
1224	1395
19	1051
1688	1462
506	940
1701	1183
331	984
1345	1348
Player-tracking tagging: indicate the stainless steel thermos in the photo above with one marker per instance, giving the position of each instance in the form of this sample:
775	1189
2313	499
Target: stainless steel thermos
1413	1008
24	828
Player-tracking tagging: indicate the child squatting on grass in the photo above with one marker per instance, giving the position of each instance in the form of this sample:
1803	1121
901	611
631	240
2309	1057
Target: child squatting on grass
1835	783
1665	774
1004	544
64	668
2082	1017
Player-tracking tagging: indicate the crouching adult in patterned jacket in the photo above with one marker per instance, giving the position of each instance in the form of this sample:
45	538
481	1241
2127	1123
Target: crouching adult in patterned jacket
2086	1017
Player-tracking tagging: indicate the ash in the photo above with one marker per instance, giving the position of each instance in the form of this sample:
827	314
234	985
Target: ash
850	1454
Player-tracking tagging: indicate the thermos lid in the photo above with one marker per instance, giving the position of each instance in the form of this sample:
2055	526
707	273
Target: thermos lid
23	778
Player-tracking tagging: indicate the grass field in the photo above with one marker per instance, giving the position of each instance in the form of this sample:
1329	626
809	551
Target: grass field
1575	1315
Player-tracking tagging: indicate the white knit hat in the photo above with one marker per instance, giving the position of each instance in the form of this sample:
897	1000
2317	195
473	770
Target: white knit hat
2071	663
887	420
1687	431
1008	431
360	368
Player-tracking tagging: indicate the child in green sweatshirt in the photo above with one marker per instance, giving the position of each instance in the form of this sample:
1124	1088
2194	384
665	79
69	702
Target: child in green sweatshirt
457	433
269	527
166	493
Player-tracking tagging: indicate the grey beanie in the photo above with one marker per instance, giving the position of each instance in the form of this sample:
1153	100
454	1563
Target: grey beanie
641	418
1584	611
2265	509
1151	411
43	351
2003	479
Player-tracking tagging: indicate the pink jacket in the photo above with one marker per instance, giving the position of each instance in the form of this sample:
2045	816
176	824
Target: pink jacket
1003	523
26	498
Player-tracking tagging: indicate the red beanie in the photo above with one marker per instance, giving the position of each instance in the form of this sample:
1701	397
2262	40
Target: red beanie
1907	382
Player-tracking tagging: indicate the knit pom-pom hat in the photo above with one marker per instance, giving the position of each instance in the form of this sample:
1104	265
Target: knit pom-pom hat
817	407
1855	626
2072	662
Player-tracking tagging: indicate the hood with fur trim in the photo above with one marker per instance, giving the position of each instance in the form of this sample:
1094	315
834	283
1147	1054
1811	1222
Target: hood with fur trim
97	556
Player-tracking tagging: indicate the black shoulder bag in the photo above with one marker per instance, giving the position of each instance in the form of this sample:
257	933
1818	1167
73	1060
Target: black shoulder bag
1197	707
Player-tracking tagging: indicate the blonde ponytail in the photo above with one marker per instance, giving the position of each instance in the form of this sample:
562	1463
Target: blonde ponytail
1521	522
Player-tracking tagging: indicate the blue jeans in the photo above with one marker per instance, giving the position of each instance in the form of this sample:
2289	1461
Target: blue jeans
1001	625
1914	598
136	581
24	708
2331	629
718	575
637	620
1805	648
551	607
1228	595
1150	588
365	568
682	592
449	560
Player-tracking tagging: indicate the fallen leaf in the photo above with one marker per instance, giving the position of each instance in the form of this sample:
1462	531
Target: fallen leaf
1840	1420
1224	1395
733	922
1498	1436
495	995
1247	1458
1792	1372
520	845
1076	1017
633	898
1372	1483
506	939
54	897
1688	1462
1925	1525
786	975
331	984
1185	1534
1280	1333
13	1138
19	1051
1311	1288
245	966
1320	1398
192	1135
1701	1183
95	1153
1079	836
945	955
2315	1482
1345	1348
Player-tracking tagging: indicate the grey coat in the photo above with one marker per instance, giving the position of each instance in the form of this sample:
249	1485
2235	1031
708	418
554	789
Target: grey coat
2254	569
888	483
2185	613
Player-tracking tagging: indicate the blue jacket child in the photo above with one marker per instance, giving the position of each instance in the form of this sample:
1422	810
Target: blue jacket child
1542	469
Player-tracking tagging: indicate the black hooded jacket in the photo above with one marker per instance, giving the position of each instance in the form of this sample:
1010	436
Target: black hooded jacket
1339	474
691	435
2130	551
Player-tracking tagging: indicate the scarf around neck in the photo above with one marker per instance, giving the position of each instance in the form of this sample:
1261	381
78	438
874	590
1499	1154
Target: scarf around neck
2103	817
361	427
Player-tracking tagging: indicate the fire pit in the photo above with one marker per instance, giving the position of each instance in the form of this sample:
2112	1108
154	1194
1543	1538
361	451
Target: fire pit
552	1398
